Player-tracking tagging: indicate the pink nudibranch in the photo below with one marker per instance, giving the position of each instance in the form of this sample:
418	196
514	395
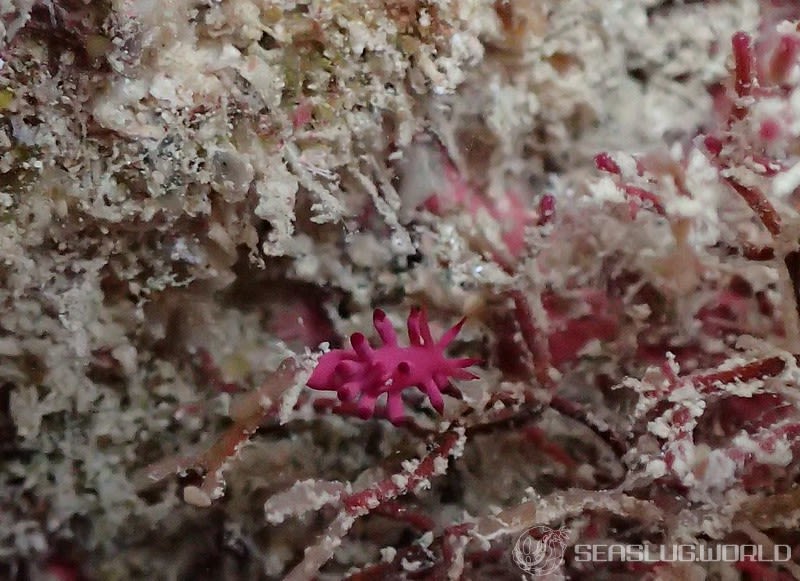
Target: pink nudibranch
364	373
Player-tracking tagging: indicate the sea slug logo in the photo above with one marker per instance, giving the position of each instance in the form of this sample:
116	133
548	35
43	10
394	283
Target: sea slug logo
540	550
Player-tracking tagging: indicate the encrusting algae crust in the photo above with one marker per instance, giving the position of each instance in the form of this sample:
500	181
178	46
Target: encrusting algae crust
198	199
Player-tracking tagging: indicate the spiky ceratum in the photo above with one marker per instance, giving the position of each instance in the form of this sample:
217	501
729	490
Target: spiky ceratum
364	372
